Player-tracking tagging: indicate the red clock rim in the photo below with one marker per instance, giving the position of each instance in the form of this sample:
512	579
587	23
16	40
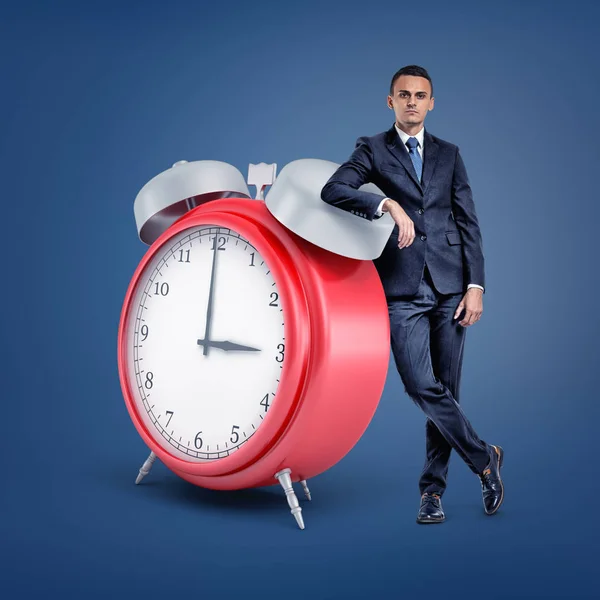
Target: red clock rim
297	341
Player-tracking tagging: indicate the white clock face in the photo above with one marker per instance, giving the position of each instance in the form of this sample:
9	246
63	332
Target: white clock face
205	343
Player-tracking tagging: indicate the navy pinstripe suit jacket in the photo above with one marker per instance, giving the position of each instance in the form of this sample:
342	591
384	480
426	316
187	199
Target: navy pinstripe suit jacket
447	231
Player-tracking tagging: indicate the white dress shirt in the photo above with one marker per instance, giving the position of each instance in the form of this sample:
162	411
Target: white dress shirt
421	139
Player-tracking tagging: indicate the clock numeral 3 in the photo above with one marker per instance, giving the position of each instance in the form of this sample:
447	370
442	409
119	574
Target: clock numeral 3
274	300
198	441
281	348
149	383
163	290
237	435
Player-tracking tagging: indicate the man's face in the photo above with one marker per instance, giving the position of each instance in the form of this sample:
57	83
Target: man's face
412	100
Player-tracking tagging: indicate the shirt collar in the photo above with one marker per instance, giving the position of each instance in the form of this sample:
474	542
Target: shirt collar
404	136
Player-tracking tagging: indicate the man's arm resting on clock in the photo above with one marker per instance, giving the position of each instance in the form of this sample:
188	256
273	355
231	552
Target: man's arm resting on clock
341	189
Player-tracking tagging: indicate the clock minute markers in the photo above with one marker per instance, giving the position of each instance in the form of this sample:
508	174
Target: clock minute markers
253	282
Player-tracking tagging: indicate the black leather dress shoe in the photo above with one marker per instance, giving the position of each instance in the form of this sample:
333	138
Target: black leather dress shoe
492	488
431	510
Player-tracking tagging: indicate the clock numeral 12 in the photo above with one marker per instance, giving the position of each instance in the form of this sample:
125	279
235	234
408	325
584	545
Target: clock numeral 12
222	242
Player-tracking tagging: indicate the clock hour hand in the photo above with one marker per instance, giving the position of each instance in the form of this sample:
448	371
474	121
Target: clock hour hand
227	346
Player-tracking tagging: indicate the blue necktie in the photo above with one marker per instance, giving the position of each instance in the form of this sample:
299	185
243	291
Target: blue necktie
412	144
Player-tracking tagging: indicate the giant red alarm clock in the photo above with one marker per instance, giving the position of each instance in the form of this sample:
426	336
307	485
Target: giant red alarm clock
248	354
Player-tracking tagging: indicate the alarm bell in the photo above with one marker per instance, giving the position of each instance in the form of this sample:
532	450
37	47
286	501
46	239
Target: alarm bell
174	192
295	201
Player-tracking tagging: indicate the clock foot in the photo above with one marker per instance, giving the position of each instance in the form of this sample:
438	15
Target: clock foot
286	483
306	490
146	467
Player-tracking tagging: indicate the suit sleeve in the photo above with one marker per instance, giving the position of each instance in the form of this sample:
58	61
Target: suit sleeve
463	209
341	189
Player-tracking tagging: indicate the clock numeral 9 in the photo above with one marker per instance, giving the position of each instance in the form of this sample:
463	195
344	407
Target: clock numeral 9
265	402
237	435
198	441
281	348
144	332
274	300
149	383
222	242
163	290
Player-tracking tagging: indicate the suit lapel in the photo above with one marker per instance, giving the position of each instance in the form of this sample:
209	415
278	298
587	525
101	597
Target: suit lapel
396	147
430	158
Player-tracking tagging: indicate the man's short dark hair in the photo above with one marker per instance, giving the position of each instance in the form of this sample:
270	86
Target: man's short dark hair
413	70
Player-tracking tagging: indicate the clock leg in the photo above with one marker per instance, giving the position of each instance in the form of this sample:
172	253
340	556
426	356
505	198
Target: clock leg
286	483
146	467
306	490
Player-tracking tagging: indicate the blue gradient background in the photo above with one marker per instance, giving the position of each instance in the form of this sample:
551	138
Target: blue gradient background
96	100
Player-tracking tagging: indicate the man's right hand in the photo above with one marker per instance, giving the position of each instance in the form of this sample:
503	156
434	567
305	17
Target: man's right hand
406	228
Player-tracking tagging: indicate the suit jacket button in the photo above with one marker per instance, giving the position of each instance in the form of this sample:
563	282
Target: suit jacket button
421	211
423	237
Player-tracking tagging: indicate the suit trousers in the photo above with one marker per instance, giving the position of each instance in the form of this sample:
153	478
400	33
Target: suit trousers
427	344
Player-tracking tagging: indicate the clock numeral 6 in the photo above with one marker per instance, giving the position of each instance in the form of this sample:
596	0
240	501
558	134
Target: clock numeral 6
144	332
274	300
237	435
163	290
281	348
149	383
198	441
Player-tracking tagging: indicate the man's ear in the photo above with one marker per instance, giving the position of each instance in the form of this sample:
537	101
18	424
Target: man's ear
431	102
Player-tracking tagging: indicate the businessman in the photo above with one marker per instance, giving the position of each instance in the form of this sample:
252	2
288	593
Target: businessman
432	271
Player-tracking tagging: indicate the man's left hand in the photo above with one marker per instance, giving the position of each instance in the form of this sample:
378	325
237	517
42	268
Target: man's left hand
472	303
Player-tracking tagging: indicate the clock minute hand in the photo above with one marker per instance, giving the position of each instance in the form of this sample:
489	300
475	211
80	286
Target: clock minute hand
211	294
227	346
